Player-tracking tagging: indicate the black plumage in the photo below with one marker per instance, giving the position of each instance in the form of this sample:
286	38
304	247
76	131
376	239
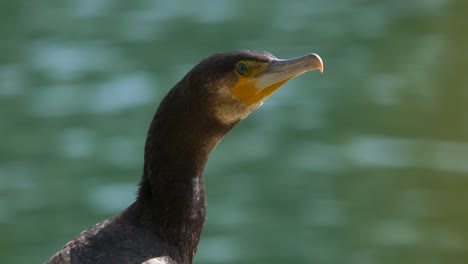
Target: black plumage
165	222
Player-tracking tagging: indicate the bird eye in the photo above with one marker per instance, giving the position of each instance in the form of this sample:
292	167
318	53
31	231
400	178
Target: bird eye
242	68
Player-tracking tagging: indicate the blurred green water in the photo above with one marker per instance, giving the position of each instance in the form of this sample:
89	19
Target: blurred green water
366	163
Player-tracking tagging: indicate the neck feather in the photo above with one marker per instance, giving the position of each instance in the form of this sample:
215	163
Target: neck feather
180	139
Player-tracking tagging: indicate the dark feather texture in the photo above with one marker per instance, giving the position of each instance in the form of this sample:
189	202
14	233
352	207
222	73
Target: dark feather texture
165	222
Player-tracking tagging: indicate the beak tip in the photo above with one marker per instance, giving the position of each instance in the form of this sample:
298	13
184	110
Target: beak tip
317	61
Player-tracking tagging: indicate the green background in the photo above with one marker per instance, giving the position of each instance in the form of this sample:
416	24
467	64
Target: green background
366	163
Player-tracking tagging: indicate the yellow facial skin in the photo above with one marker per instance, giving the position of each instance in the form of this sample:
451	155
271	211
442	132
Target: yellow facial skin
262	79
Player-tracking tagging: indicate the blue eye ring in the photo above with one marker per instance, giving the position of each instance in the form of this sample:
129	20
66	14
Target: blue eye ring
242	68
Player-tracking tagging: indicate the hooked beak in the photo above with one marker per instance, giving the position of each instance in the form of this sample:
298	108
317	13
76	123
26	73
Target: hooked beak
276	73
280	71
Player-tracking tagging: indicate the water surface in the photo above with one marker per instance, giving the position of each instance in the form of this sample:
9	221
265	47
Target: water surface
367	163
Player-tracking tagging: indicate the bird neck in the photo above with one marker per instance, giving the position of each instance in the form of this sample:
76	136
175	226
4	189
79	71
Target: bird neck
179	142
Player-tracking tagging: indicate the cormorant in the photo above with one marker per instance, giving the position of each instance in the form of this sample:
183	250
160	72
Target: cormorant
165	222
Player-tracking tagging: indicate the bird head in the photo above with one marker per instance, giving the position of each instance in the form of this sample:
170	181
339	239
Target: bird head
234	84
